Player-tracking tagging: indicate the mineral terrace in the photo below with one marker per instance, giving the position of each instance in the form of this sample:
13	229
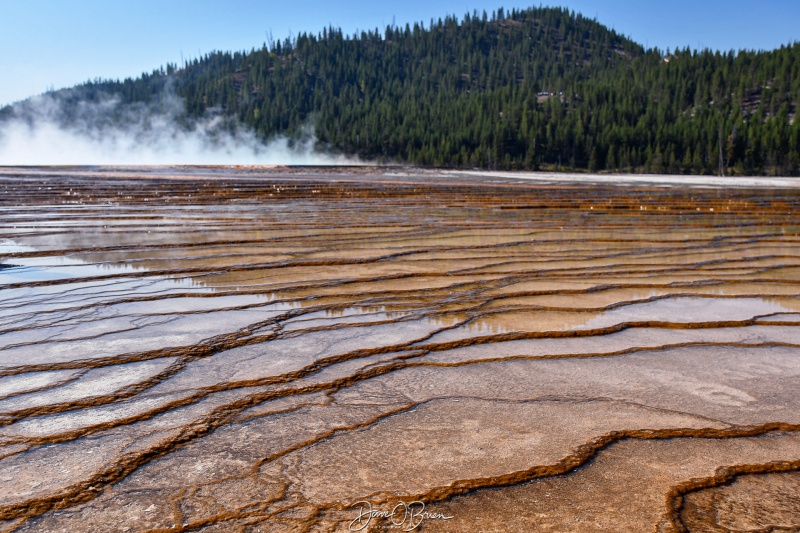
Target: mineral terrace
252	349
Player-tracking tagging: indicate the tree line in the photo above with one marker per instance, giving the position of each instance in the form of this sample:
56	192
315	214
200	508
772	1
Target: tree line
540	88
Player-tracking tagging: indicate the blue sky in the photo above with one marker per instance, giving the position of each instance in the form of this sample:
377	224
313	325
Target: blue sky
57	43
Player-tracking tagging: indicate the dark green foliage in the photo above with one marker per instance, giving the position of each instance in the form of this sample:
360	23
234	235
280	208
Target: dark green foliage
539	88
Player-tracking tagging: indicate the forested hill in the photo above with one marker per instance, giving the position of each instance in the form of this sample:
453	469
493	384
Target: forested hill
531	89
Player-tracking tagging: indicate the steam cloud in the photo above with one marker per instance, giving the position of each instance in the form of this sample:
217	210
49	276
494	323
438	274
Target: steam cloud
64	129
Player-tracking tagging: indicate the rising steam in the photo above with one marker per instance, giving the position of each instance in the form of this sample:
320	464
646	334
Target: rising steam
64	129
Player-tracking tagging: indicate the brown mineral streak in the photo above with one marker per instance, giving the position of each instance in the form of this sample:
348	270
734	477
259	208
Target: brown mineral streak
303	327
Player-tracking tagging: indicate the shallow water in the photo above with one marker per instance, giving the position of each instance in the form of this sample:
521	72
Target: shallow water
267	350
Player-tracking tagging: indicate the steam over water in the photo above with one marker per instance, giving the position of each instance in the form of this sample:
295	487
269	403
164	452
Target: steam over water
55	129
212	350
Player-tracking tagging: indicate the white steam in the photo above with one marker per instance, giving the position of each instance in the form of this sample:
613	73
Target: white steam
52	130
